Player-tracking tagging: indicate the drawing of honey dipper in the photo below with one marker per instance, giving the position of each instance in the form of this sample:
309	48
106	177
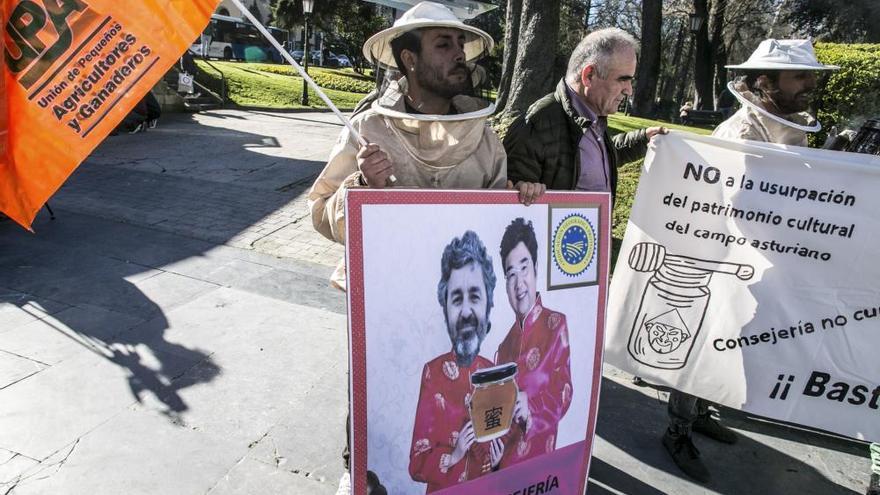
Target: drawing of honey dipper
673	304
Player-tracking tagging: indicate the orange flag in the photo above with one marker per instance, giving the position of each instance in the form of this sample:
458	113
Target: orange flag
72	70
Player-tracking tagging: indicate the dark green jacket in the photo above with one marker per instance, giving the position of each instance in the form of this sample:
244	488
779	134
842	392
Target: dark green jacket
543	145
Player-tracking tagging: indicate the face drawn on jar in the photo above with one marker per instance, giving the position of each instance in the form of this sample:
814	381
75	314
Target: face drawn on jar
673	303
665	338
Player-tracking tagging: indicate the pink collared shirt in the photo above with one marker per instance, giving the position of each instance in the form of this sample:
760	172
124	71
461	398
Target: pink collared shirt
594	174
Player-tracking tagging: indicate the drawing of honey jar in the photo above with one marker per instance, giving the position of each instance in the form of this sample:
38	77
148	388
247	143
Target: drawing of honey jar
493	400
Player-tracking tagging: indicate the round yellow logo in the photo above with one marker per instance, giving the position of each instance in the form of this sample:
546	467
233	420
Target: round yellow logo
574	245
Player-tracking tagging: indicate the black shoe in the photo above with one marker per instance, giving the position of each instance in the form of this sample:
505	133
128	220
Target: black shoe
686	456
874	485
706	425
374	487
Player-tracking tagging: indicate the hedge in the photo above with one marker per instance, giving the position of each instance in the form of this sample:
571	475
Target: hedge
847	97
326	78
339	82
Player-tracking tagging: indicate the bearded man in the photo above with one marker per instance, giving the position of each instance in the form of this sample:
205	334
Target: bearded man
424	130
775	89
444	451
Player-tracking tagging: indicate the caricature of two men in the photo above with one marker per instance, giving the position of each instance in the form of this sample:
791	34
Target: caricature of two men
444	450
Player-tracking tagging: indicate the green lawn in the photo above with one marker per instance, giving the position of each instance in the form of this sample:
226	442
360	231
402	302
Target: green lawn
276	86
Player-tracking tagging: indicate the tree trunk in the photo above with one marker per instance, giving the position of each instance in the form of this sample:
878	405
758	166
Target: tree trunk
720	81
532	75
684	75
719	52
703	65
508	59
588	4
648	72
668	92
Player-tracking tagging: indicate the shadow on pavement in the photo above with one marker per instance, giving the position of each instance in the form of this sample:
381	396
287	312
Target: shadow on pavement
301	119
604	475
181	180
784	430
65	264
634	423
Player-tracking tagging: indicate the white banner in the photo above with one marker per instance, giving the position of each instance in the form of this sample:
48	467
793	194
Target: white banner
748	276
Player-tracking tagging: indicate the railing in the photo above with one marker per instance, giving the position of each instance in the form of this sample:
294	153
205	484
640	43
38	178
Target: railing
223	92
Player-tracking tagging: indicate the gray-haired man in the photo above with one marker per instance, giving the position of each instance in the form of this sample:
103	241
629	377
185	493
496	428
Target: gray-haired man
444	450
562	141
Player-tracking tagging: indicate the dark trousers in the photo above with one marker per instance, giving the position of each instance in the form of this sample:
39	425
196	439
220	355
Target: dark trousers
684	410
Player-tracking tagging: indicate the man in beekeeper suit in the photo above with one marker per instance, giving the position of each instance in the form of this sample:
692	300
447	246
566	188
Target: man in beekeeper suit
424	132
774	89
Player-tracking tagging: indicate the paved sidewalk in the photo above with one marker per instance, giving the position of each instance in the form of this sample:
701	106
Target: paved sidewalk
141	362
173	332
227	177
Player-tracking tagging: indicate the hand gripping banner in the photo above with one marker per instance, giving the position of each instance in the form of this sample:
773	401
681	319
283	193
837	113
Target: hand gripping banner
71	71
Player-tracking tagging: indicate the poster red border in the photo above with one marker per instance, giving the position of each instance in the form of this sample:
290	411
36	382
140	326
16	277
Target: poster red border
355	200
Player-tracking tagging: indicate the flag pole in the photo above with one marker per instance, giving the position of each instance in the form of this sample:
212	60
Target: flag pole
244	10
265	32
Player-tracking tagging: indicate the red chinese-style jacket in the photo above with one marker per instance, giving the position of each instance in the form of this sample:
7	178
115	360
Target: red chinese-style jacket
441	414
540	347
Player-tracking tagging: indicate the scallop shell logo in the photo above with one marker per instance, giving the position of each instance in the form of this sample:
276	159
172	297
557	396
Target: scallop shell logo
574	245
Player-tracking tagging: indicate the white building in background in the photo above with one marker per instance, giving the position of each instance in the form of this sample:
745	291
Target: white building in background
226	7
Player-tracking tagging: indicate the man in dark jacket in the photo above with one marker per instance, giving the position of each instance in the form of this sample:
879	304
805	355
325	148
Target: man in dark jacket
562	142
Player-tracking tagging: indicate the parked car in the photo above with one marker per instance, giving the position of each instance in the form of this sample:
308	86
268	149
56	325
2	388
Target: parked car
297	55
343	60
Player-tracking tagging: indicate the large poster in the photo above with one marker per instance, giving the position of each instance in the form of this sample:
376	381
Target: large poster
747	277
476	339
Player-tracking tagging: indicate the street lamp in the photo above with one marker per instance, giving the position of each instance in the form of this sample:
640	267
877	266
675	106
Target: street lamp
308	5
696	21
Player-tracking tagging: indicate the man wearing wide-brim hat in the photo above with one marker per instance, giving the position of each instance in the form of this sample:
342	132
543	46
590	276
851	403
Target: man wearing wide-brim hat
775	88
424	130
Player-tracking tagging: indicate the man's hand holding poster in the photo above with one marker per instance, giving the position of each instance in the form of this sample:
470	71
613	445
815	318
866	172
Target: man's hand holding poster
476	338
747	277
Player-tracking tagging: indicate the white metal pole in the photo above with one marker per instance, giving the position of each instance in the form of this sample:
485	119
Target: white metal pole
247	13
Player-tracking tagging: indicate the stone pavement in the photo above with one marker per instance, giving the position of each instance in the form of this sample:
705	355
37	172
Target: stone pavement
226	177
172	331
136	361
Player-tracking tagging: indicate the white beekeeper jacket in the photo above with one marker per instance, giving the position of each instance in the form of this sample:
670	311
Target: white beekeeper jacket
754	123
458	151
